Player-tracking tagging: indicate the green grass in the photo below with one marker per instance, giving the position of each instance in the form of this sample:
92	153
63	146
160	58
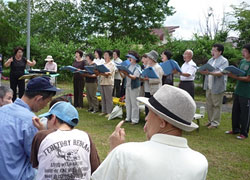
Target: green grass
228	158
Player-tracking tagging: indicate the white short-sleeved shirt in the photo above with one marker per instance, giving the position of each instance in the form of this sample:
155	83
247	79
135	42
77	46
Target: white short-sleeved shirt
99	61
164	157
190	68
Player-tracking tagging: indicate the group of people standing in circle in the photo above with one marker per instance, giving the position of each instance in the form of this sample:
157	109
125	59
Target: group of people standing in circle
117	83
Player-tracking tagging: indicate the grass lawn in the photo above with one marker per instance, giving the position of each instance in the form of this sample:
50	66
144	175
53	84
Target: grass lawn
228	158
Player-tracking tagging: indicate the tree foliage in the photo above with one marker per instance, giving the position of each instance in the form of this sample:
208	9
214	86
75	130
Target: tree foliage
60	27
60	19
125	17
242	22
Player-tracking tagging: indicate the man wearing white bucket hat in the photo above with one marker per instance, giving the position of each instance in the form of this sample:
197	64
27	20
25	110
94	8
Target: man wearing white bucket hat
165	155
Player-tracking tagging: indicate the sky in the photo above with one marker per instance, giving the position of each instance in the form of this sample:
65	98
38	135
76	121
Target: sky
191	13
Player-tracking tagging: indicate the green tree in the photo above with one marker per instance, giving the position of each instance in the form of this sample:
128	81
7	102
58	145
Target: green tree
125	18
242	22
62	19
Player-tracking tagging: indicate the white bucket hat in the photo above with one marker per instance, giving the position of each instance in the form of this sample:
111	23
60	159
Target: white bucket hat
49	58
174	105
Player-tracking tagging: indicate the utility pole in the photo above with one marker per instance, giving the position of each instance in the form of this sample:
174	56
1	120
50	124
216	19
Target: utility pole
28	31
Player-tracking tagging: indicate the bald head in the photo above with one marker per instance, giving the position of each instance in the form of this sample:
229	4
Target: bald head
188	55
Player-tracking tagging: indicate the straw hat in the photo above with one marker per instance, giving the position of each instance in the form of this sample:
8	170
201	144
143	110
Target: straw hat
174	105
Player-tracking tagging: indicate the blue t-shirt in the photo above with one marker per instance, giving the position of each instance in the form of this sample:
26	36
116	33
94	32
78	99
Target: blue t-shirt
17	132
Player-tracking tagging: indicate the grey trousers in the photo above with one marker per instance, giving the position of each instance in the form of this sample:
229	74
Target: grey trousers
214	104
132	105
91	89
107	99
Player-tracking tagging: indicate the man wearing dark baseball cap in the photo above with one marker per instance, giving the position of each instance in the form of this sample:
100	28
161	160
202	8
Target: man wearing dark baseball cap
17	129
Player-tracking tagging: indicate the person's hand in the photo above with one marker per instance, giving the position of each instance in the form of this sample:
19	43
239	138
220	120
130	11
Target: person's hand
117	137
125	73
37	123
97	73
206	72
10	59
146	78
231	75
174	71
34	61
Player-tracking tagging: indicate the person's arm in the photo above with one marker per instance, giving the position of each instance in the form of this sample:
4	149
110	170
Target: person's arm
37	123
28	134
122	73
55	67
89	75
159	73
191	70
216	73
106	74
185	74
133	77
144	78
206	72
94	157
8	62
34	152
31	63
239	78
36	141
219	73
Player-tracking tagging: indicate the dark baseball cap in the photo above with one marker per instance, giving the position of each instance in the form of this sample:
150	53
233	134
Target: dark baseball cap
40	84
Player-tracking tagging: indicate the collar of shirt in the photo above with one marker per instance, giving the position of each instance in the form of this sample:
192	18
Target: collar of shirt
170	140
191	63
20	102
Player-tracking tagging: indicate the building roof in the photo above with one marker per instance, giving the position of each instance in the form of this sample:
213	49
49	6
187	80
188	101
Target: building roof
161	31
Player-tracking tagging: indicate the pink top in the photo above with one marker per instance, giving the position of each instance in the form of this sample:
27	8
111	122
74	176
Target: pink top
51	66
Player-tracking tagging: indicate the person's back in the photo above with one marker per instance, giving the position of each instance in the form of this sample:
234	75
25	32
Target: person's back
165	157
62	154
17	132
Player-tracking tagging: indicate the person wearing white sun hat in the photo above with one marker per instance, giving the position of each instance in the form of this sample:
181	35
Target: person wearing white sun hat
166	155
50	64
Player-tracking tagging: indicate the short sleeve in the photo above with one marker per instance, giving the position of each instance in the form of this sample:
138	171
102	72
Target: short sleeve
191	70
110	168
37	140
94	158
